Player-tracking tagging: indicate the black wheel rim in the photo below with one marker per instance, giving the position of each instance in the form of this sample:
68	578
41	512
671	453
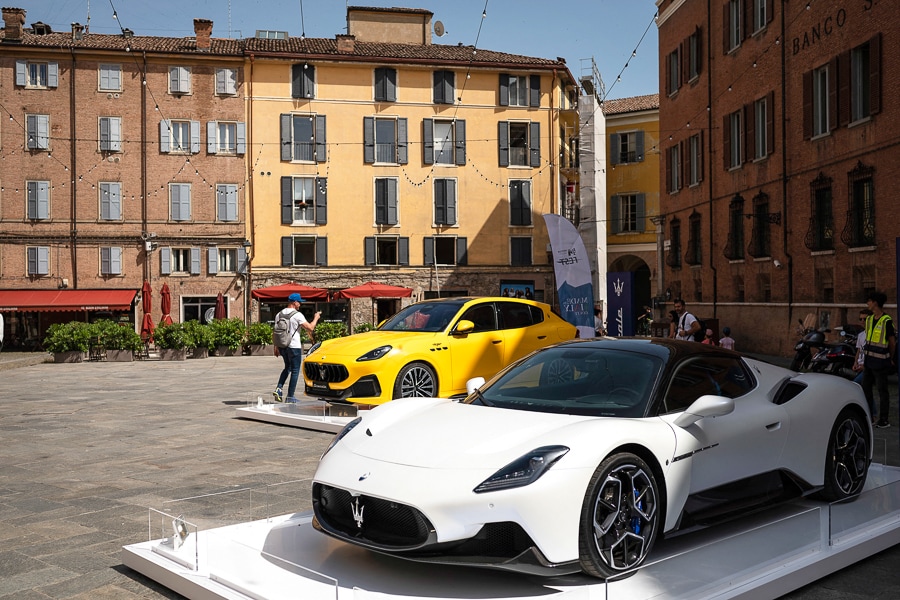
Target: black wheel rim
850	451
624	517
417	382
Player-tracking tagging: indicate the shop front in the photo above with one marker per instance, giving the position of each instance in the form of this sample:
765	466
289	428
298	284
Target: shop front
29	313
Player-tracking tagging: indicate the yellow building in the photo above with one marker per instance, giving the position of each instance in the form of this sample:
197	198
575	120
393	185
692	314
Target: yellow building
378	155
632	191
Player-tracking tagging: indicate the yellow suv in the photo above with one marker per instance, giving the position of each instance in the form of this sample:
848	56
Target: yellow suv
431	348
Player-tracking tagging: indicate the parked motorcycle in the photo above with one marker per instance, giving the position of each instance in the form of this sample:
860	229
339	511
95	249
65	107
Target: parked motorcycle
837	358
811	342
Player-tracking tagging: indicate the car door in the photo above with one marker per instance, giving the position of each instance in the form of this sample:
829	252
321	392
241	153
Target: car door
480	352
521	335
748	441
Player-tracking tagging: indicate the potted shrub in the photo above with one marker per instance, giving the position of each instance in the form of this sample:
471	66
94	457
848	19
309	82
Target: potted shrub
171	341
120	341
68	341
363	327
199	338
259	338
228	336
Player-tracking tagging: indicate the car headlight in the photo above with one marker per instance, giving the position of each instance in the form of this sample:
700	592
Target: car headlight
313	348
374	354
340	435
524	470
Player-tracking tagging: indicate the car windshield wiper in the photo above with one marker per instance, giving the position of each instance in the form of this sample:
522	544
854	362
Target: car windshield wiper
480	397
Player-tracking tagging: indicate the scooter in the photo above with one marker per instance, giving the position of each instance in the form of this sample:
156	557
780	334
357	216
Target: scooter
838	357
811	342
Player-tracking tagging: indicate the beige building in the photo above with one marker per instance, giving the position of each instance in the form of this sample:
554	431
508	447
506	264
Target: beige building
632	193
380	155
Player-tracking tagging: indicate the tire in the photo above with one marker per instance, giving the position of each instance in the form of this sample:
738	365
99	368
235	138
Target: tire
557	371
416	380
620	517
817	367
801	360
846	457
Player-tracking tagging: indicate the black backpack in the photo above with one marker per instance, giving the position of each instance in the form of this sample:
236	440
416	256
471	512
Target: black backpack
700	334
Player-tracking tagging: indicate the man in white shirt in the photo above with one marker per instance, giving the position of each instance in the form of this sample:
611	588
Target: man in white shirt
687	323
293	354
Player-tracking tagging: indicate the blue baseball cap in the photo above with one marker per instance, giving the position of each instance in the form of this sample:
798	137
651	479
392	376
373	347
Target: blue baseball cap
295	298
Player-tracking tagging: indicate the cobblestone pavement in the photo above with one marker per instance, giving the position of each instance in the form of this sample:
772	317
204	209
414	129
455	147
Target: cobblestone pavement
86	449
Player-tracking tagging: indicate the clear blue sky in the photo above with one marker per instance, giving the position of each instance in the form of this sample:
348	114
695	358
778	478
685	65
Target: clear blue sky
606	30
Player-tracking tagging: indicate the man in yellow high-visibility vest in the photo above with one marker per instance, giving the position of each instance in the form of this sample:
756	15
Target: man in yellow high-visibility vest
879	356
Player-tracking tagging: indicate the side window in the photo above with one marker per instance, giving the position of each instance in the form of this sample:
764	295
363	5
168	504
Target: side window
514	315
483	316
718	376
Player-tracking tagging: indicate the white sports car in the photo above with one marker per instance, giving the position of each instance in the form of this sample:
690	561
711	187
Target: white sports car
580	455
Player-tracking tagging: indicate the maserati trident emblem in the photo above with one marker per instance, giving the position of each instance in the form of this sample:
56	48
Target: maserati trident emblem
322	373
357	511
619	287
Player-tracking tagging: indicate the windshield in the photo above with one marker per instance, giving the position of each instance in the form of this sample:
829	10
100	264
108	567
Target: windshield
588	381
428	316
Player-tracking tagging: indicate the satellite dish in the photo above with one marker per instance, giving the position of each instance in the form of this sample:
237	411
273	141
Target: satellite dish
438	28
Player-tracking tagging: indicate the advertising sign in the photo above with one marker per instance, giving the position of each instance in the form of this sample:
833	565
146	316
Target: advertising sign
620	313
573	274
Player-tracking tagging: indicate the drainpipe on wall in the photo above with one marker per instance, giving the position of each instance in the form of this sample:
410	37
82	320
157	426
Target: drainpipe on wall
73	192
248	217
784	173
554	151
144	225
709	128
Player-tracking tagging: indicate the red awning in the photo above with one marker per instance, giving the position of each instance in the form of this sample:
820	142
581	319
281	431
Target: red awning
280	293
65	300
373	289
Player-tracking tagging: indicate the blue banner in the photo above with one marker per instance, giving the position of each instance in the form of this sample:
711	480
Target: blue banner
573	274
620	311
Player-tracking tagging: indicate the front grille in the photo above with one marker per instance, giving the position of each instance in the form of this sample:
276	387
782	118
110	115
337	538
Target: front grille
326	372
381	523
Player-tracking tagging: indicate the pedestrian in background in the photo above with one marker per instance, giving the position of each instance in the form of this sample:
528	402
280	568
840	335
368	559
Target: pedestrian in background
598	322
727	342
708	338
673	323
688	324
879	356
293	354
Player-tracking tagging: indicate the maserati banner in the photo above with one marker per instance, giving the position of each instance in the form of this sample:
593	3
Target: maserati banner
620	314
573	274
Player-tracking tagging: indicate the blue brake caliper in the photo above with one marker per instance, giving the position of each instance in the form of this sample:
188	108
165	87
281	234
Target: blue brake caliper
636	521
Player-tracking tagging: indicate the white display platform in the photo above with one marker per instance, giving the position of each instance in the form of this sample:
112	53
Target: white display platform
763	556
317	415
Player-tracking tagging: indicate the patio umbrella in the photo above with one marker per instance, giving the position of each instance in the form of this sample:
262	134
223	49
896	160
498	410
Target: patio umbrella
147	305
373	289
279	293
165	301
220	307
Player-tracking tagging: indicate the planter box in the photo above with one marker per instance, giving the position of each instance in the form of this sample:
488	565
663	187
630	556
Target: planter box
260	350
226	351
72	356
171	354
199	353
119	356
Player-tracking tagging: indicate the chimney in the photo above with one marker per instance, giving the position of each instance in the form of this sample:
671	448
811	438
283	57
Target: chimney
14	20
77	31
345	43
202	32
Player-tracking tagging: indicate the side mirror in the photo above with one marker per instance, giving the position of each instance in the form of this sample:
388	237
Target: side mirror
464	326
704	407
473	384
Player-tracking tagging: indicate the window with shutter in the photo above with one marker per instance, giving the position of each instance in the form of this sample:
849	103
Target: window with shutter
38	200
227	202
180	201
385	84
110	78
386	201
110	134
110	200
520	203
226	82
37	131
179	80
38	258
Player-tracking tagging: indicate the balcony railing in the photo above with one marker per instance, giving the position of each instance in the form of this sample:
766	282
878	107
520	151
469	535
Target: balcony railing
820	235
859	231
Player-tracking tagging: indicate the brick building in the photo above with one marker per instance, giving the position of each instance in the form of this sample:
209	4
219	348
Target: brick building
779	144
217	165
